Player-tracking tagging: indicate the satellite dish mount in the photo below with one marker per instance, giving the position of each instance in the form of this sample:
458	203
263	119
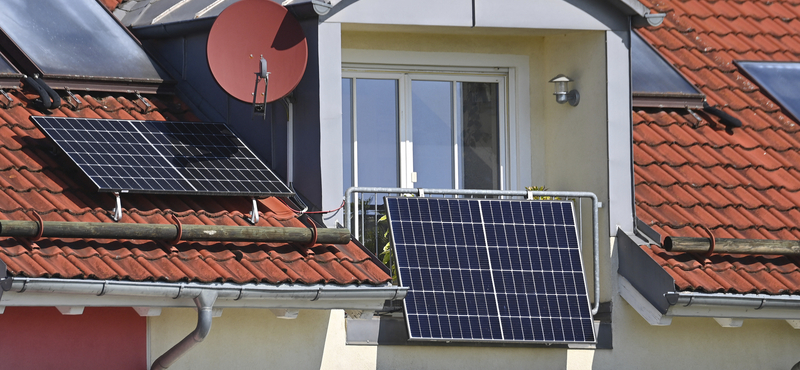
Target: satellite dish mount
262	74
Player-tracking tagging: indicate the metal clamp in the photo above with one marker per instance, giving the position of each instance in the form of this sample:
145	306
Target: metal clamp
180	230
117	212
146	104
261	74
8	97
73	97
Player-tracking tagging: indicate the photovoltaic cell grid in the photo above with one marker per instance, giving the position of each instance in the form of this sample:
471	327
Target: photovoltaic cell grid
490	270
162	157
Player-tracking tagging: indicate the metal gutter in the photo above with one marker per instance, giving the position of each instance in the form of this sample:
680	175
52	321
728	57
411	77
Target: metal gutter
755	301
316	296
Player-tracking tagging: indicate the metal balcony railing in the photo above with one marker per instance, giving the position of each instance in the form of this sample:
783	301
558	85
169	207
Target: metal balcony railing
364	209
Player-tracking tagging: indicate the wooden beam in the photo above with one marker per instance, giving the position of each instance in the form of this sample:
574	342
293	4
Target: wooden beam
107	230
734	246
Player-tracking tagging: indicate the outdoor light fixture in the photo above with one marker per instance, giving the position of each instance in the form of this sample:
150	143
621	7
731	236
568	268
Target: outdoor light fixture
563	94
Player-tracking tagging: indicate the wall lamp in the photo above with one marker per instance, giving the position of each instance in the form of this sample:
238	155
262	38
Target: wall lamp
563	94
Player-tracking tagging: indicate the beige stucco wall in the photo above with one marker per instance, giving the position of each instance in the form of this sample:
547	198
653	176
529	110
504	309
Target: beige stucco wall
256	339
243	339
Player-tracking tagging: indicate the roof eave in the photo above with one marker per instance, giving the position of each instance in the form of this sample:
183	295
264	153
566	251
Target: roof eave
727	309
114	293
644	284
632	7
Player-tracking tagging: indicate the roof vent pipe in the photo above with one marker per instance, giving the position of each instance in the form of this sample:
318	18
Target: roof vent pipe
204	302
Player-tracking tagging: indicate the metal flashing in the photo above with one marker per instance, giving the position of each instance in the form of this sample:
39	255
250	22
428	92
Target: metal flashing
644	274
668	100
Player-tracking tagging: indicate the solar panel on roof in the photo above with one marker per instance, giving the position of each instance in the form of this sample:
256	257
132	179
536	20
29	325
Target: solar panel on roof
162	157
779	80
76	38
490	270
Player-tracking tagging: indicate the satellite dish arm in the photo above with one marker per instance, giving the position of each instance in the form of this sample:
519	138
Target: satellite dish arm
261	74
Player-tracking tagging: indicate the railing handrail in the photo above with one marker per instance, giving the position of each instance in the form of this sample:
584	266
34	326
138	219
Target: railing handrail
512	193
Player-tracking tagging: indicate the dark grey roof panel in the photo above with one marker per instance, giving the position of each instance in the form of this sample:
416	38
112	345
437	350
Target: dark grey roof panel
778	79
650	73
76	38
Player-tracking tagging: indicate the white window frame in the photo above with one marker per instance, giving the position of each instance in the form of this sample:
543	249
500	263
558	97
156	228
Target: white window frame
518	153
404	75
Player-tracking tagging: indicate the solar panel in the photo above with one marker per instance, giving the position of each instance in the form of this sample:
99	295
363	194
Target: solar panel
779	80
490	270
162	157
76	38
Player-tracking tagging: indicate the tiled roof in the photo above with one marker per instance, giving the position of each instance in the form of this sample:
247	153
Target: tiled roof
741	184
33	177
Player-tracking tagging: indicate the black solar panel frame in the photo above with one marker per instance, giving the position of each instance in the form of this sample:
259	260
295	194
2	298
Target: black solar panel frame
134	138
410	300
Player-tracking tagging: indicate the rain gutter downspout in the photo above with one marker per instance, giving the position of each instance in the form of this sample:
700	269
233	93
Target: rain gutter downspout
204	303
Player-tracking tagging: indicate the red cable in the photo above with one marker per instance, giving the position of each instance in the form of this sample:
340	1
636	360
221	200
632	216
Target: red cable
314	212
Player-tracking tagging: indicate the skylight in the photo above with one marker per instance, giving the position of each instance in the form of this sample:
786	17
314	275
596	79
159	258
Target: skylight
70	41
655	83
778	80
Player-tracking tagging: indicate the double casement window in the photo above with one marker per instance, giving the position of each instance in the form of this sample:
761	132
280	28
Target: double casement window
424	129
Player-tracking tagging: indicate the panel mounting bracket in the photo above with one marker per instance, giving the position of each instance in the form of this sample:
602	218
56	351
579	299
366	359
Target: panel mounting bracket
117	212
75	98
147	105
253	219
8	97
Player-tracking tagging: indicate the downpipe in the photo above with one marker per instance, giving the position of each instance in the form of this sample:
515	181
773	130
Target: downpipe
205	302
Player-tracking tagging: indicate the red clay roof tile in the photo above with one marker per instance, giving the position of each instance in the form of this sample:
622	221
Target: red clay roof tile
744	184
33	178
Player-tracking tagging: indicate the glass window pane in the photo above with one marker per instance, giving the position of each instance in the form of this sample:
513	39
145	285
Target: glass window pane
376	136
480	137
347	126
432	117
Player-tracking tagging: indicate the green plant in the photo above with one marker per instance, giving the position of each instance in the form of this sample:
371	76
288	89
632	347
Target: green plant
388	253
540	188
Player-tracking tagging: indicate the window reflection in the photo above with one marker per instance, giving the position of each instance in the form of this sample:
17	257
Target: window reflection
376	132
432	120
479	135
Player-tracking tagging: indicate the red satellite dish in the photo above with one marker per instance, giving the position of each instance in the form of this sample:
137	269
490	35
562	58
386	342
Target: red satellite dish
248	30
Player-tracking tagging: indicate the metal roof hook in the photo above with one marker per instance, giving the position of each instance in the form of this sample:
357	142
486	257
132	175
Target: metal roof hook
75	98
261	74
117	211
253	219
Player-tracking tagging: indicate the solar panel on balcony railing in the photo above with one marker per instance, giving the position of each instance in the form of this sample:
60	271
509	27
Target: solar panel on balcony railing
490	270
